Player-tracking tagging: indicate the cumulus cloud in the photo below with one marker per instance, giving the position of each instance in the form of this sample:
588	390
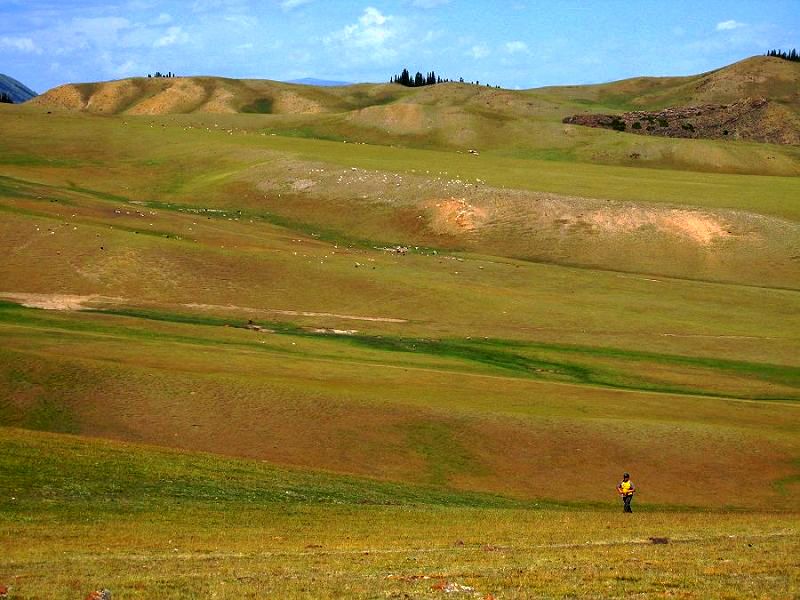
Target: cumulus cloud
479	51
729	25
516	47
372	16
20	44
174	35
371	33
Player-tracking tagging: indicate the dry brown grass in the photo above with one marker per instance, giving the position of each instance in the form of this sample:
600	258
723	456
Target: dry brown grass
369	552
145	522
320	404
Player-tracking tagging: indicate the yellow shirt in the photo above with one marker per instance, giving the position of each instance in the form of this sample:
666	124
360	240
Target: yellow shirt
626	488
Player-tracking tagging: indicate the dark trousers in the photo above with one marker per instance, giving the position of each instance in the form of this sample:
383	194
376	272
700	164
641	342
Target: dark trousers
626	502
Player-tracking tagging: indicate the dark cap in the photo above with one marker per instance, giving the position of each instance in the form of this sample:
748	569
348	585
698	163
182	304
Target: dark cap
626	474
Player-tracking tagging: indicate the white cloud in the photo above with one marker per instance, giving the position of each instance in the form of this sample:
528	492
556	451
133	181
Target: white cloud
288	5
174	35
162	19
516	47
20	44
729	25
372	16
479	51
369	38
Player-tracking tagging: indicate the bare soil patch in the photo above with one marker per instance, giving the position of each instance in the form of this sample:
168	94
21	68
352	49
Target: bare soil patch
56	301
456	215
221	101
65	96
397	118
177	97
294	313
698	227
293	103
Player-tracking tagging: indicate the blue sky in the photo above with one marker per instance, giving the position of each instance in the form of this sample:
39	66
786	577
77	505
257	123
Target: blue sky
515	44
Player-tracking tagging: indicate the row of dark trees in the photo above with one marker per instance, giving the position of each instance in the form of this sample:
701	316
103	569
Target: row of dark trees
418	80
6	98
160	74
791	55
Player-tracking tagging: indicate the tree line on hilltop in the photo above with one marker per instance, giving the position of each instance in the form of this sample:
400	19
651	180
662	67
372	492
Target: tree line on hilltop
791	55
420	80
160	74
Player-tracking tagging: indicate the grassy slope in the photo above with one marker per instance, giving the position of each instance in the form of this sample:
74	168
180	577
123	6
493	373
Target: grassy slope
194	168
457	116
753	77
71	227
490	415
494	377
145	522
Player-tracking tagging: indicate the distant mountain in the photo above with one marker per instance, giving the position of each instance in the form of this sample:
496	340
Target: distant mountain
319	82
17	91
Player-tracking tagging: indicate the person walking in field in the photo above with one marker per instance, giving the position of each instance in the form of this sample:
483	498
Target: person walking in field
626	489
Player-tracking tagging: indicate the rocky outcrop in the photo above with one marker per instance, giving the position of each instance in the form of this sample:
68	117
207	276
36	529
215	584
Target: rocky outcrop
754	119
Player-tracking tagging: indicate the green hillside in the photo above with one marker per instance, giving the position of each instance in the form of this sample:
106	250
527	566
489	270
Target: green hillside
512	124
311	346
142	521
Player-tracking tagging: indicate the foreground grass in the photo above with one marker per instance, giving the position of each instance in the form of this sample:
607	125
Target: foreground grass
77	515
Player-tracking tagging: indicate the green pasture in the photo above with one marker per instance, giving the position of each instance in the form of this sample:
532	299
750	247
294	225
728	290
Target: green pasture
478	415
82	515
178	155
247	392
199	170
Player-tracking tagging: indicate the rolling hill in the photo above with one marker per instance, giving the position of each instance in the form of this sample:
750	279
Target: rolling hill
768	77
533	301
758	76
319	82
260	339
523	124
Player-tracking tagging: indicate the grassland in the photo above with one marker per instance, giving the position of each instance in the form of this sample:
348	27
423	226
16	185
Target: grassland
511	124
147	522
247	390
